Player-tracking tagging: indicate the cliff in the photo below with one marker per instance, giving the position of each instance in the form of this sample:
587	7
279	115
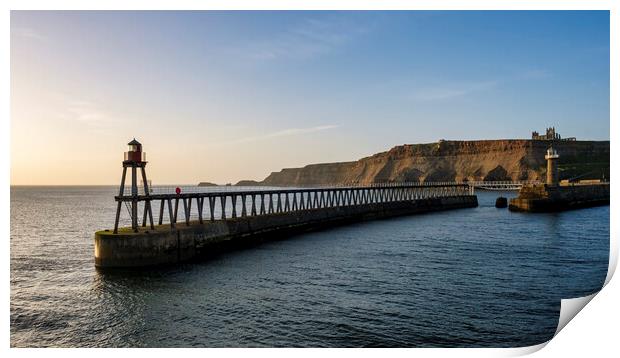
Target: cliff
456	160
248	183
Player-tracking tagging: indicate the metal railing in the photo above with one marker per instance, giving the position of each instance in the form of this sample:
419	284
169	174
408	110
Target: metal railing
210	205
502	184
194	189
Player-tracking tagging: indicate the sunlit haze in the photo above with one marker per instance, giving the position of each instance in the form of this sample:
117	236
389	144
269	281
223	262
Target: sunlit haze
225	96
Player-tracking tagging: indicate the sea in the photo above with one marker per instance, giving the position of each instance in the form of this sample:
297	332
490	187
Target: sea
477	277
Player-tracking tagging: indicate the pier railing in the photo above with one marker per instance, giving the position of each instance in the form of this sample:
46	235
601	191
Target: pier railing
209	204
193	189
488	185
502	184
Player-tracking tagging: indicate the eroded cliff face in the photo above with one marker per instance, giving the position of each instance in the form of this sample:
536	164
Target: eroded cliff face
455	161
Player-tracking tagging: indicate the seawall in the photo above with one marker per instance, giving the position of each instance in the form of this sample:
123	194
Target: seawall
546	198
167	245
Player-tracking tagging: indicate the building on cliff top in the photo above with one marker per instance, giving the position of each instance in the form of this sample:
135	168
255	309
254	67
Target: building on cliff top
550	135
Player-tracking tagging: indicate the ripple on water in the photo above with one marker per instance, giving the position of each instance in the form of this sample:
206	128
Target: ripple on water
468	278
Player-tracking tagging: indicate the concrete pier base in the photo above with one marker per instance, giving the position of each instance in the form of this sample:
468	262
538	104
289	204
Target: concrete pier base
548	198
166	245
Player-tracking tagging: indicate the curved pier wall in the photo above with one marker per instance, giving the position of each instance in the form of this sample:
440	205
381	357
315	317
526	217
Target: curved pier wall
166	245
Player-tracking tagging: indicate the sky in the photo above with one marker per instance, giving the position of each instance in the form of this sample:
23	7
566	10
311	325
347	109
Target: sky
222	96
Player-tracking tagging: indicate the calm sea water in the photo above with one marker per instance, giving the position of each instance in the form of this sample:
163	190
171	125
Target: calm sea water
482	277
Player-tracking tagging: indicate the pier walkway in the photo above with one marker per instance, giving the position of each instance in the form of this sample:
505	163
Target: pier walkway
502	185
222	202
207	204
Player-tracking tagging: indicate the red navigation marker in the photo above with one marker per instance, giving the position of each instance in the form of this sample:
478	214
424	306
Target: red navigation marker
178	190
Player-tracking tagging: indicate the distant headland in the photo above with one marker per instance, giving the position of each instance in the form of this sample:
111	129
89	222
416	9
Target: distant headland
448	160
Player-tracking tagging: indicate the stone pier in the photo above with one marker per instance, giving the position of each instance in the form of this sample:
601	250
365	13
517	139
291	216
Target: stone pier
170	244
547	198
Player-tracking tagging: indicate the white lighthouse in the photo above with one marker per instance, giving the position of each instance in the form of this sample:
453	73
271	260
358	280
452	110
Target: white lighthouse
552	157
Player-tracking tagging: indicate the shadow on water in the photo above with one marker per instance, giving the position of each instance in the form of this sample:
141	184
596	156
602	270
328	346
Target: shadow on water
130	279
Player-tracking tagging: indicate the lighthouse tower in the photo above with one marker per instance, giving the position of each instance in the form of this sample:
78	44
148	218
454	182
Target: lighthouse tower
552	157
134	159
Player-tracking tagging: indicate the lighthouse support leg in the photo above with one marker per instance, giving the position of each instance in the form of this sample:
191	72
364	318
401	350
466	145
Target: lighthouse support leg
134	201
118	214
120	193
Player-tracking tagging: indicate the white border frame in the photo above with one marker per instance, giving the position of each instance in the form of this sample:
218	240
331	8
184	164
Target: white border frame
593	330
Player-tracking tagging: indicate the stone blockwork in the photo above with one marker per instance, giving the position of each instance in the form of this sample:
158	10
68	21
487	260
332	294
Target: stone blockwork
545	198
166	245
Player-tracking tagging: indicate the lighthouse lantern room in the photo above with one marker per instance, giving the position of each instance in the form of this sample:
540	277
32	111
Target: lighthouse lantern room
135	154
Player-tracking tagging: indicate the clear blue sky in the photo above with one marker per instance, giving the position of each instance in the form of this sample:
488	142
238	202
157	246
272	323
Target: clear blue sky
247	93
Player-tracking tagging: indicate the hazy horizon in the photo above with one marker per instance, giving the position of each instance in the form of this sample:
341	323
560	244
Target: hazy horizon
223	96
